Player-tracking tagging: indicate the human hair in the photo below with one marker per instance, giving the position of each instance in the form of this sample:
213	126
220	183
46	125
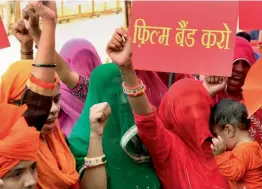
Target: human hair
244	35
229	111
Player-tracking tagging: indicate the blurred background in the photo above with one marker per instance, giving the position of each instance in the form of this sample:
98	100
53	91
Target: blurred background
93	20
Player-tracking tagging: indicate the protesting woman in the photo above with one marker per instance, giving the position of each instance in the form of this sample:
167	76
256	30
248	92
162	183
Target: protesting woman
34	83
177	136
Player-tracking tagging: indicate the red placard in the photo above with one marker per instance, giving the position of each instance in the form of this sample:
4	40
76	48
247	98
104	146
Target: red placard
250	15
184	37
4	42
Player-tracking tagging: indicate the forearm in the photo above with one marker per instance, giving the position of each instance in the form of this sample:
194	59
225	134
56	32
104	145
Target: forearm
140	104
27	52
94	177
45	53
68	77
36	36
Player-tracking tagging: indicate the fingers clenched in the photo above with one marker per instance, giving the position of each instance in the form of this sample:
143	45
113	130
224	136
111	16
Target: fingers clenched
99	112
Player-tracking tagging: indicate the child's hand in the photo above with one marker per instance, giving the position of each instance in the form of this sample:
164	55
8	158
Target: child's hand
218	147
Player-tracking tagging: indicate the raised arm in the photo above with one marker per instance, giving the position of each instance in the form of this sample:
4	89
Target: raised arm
26	41
94	176
39	89
150	128
44	64
120	51
67	76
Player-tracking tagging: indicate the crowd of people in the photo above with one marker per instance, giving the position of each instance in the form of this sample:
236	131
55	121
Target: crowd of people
71	122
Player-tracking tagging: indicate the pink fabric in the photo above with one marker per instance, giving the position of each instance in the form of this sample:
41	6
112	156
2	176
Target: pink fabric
176	138
82	58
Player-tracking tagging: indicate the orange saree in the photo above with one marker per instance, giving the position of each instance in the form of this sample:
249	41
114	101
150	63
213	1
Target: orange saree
56	164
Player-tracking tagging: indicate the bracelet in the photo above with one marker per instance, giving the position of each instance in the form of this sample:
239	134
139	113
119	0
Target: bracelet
26	53
132	88
134	91
44	65
95	162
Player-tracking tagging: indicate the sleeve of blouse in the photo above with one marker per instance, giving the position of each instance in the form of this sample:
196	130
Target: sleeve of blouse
81	88
154	136
232	164
38	98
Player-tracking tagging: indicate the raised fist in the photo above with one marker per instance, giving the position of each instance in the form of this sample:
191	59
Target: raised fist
99	114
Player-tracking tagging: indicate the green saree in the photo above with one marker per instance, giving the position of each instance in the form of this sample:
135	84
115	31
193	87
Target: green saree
128	164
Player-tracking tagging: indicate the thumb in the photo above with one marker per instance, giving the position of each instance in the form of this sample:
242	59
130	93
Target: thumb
128	46
18	35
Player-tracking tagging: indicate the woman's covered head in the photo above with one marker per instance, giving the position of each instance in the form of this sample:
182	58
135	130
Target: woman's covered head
81	56
243	59
13	84
18	149
185	111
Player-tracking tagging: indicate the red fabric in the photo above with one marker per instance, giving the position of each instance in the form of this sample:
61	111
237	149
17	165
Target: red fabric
175	138
243	50
157	83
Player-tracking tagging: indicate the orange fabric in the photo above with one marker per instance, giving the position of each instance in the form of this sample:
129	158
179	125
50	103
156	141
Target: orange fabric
40	83
57	167
14	80
242	166
17	140
252	89
56	164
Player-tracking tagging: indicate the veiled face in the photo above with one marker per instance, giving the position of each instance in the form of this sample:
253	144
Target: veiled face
22	176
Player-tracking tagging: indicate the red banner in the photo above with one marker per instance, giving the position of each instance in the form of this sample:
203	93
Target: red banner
4	42
250	15
184	37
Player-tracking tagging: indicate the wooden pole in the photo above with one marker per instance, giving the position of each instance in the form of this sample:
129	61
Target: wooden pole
17	11
105	5
126	13
62	8
93	7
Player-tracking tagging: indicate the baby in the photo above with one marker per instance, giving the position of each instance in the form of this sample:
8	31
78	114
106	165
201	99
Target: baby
238	157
